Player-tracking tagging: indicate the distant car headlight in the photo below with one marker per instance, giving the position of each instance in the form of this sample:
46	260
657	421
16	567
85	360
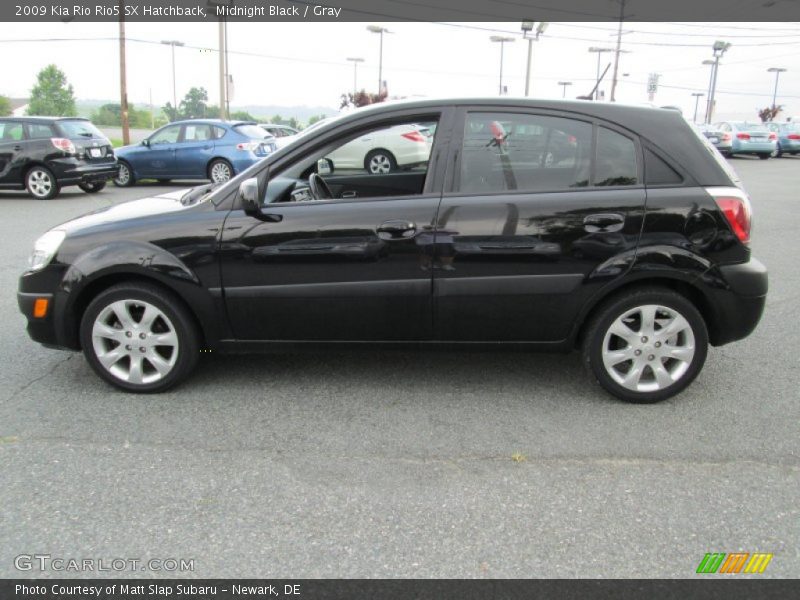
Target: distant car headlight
45	249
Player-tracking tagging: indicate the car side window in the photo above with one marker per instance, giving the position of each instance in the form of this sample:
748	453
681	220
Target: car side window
524	152
615	164
168	135
11	131
196	133
658	172
399	148
38	131
217	132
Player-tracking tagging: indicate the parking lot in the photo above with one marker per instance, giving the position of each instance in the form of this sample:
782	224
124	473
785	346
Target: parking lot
405	464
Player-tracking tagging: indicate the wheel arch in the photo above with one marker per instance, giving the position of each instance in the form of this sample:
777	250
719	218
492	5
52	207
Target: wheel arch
223	158
675	283
386	151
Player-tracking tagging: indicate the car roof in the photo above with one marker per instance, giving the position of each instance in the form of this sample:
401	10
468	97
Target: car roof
41	118
211	122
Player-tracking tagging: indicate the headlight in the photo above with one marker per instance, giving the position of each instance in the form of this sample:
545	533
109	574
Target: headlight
45	248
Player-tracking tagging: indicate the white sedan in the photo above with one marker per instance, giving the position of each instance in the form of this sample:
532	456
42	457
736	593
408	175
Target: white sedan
385	150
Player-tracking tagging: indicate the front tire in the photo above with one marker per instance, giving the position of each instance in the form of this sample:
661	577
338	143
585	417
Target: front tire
93	187
645	346
41	183
380	162
139	337
764	156
220	171
124	176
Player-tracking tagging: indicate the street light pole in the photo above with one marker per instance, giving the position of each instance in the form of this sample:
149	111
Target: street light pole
355	62
379	30
598	51
777	71
697	96
564	85
719	49
527	28
173	43
123	80
502	41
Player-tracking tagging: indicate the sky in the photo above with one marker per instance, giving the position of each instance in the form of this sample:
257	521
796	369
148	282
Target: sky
305	63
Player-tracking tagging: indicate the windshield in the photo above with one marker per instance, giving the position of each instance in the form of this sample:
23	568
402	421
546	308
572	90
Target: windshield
252	131
80	128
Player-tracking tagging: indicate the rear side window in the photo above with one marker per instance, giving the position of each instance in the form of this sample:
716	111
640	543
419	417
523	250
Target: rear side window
524	152
658	172
616	159
218	132
11	131
38	131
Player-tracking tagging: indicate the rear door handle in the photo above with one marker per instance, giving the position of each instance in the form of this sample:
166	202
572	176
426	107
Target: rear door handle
349	194
603	222
397	230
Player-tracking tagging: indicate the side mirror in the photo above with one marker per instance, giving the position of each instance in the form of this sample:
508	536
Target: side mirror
251	202
248	196
324	166
145	142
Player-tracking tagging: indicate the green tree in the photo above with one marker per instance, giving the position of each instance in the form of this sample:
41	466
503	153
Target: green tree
52	95
110	114
5	106
242	115
316	118
172	113
194	104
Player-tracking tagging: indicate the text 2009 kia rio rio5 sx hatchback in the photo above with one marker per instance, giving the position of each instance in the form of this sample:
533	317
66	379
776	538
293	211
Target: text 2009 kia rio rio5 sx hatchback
532	224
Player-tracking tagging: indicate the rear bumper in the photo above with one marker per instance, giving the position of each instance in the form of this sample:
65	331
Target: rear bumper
738	294
69	171
754	147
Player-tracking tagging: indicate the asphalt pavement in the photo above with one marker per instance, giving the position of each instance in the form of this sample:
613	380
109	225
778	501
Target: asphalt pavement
404	464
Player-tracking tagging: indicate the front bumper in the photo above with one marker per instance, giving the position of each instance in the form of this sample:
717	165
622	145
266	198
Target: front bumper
71	170
41	329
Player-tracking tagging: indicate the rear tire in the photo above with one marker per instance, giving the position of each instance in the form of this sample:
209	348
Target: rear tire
41	183
139	338
93	187
764	156
220	170
125	176
646	345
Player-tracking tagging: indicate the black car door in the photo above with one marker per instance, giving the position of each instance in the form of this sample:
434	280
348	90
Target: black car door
540	208
353	268
12	152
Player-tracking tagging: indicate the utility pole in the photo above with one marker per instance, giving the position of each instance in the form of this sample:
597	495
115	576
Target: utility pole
222	79
123	85
617	51
697	96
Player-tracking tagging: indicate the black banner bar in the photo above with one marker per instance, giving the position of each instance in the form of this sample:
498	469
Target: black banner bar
399	10
705	587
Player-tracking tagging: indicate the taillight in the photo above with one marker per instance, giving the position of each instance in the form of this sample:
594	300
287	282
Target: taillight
794	136
772	136
735	205
414	136
253	146
64	145
743	136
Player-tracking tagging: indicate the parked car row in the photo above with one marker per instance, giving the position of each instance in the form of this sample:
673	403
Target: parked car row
44	154
765	140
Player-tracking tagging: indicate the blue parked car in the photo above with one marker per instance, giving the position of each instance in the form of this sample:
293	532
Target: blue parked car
749	138
196	149
788	137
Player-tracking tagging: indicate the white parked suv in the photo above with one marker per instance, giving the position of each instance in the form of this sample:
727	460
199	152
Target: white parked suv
386	150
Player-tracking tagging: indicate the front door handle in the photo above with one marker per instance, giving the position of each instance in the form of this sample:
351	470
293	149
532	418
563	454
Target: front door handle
349	194
603	222
397	230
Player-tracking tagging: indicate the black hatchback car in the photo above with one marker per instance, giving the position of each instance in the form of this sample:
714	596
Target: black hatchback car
44	154
630	243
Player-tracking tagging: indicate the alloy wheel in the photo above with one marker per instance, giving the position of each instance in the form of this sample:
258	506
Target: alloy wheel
380	164
648	348
220	172
123	175
135	341
40	183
